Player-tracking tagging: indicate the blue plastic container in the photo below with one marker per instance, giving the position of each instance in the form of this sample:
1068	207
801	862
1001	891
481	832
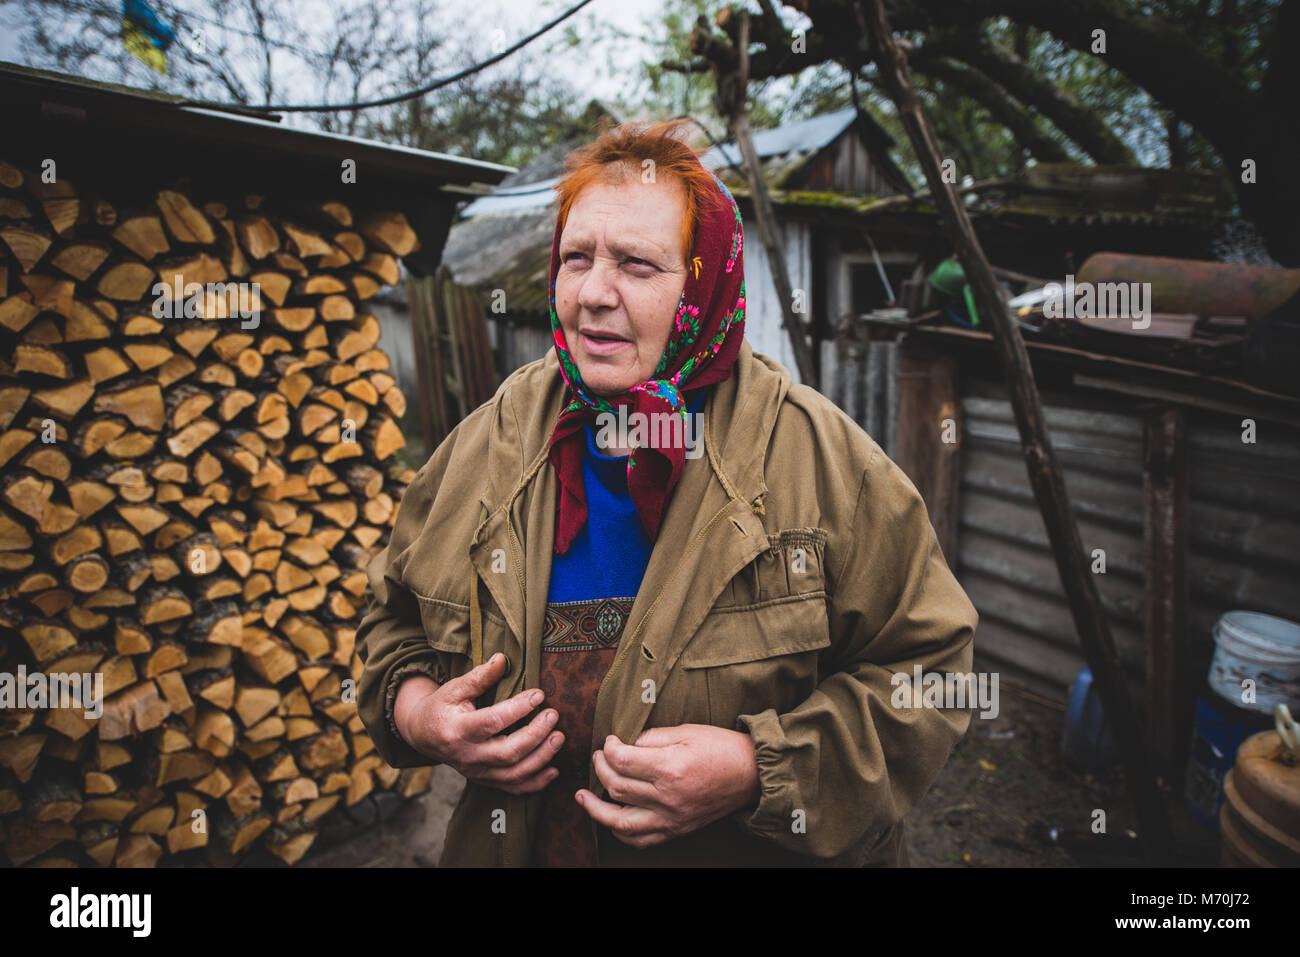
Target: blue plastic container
1086	740
1218	732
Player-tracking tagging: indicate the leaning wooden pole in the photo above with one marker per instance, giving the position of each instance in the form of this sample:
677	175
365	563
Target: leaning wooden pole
767	227
1040	459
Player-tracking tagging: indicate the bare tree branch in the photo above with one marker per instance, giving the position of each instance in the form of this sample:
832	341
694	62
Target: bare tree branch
994	99
1034	89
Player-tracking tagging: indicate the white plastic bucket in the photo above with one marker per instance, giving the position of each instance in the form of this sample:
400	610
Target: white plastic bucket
1259	648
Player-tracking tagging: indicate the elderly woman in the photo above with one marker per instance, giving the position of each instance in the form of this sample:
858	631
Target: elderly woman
647	645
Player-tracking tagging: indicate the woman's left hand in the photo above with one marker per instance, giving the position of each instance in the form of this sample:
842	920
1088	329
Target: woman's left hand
672	781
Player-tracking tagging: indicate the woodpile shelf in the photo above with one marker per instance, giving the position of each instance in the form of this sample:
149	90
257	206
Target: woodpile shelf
197	441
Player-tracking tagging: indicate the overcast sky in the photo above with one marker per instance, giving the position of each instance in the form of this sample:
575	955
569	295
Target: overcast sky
478	20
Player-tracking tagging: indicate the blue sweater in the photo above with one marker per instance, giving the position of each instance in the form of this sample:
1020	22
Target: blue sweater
609	557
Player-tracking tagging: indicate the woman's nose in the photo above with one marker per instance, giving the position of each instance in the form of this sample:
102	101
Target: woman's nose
598	290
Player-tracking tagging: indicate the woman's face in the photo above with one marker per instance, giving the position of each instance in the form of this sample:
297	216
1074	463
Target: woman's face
621	274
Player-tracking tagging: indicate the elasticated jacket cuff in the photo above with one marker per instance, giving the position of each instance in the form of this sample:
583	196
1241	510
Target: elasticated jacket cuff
778	788
429	668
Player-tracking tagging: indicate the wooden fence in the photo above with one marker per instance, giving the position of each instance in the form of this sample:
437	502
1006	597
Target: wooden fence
453	357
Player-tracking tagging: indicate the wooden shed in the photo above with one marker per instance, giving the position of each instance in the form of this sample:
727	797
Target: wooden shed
852	230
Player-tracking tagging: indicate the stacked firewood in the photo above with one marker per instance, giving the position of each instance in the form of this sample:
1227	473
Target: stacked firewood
197	438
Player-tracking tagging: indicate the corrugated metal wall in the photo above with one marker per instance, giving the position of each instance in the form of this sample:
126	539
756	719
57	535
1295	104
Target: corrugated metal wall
1244	531
1245	520
862	379
1004	561
763	325
518	343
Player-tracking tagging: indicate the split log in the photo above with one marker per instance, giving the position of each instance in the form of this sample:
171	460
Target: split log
80	259
257	237
390	232
143	235
27	243
140	401
133	711
126	282
184	222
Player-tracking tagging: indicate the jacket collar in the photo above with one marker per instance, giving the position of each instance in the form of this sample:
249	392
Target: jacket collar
739	419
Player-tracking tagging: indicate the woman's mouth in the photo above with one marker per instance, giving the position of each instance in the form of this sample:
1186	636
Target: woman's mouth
602	343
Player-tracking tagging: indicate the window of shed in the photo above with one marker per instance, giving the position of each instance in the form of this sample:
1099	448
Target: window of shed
867	292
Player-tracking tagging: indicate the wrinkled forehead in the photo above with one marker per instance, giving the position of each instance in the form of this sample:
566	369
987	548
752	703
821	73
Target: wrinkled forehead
624	205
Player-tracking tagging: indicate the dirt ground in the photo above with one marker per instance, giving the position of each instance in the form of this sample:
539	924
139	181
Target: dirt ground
411	837
1003	788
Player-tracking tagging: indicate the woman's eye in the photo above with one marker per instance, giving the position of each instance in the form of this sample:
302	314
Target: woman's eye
632	260
574	258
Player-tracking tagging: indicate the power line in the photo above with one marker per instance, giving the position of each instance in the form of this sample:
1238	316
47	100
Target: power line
397	97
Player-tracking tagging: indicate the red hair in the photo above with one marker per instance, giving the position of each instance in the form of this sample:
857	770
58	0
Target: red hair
626	148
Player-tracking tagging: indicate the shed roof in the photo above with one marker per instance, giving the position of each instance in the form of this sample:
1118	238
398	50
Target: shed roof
48	97
802	136
141	138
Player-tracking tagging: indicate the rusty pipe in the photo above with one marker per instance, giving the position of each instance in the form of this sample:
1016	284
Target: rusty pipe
1196	287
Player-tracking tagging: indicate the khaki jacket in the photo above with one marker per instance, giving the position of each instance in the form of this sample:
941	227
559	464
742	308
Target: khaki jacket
795	573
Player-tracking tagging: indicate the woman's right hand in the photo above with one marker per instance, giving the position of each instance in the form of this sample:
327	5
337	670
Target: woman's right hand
441	722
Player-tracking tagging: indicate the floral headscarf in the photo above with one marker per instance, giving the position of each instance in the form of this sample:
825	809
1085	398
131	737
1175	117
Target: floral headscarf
702	348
